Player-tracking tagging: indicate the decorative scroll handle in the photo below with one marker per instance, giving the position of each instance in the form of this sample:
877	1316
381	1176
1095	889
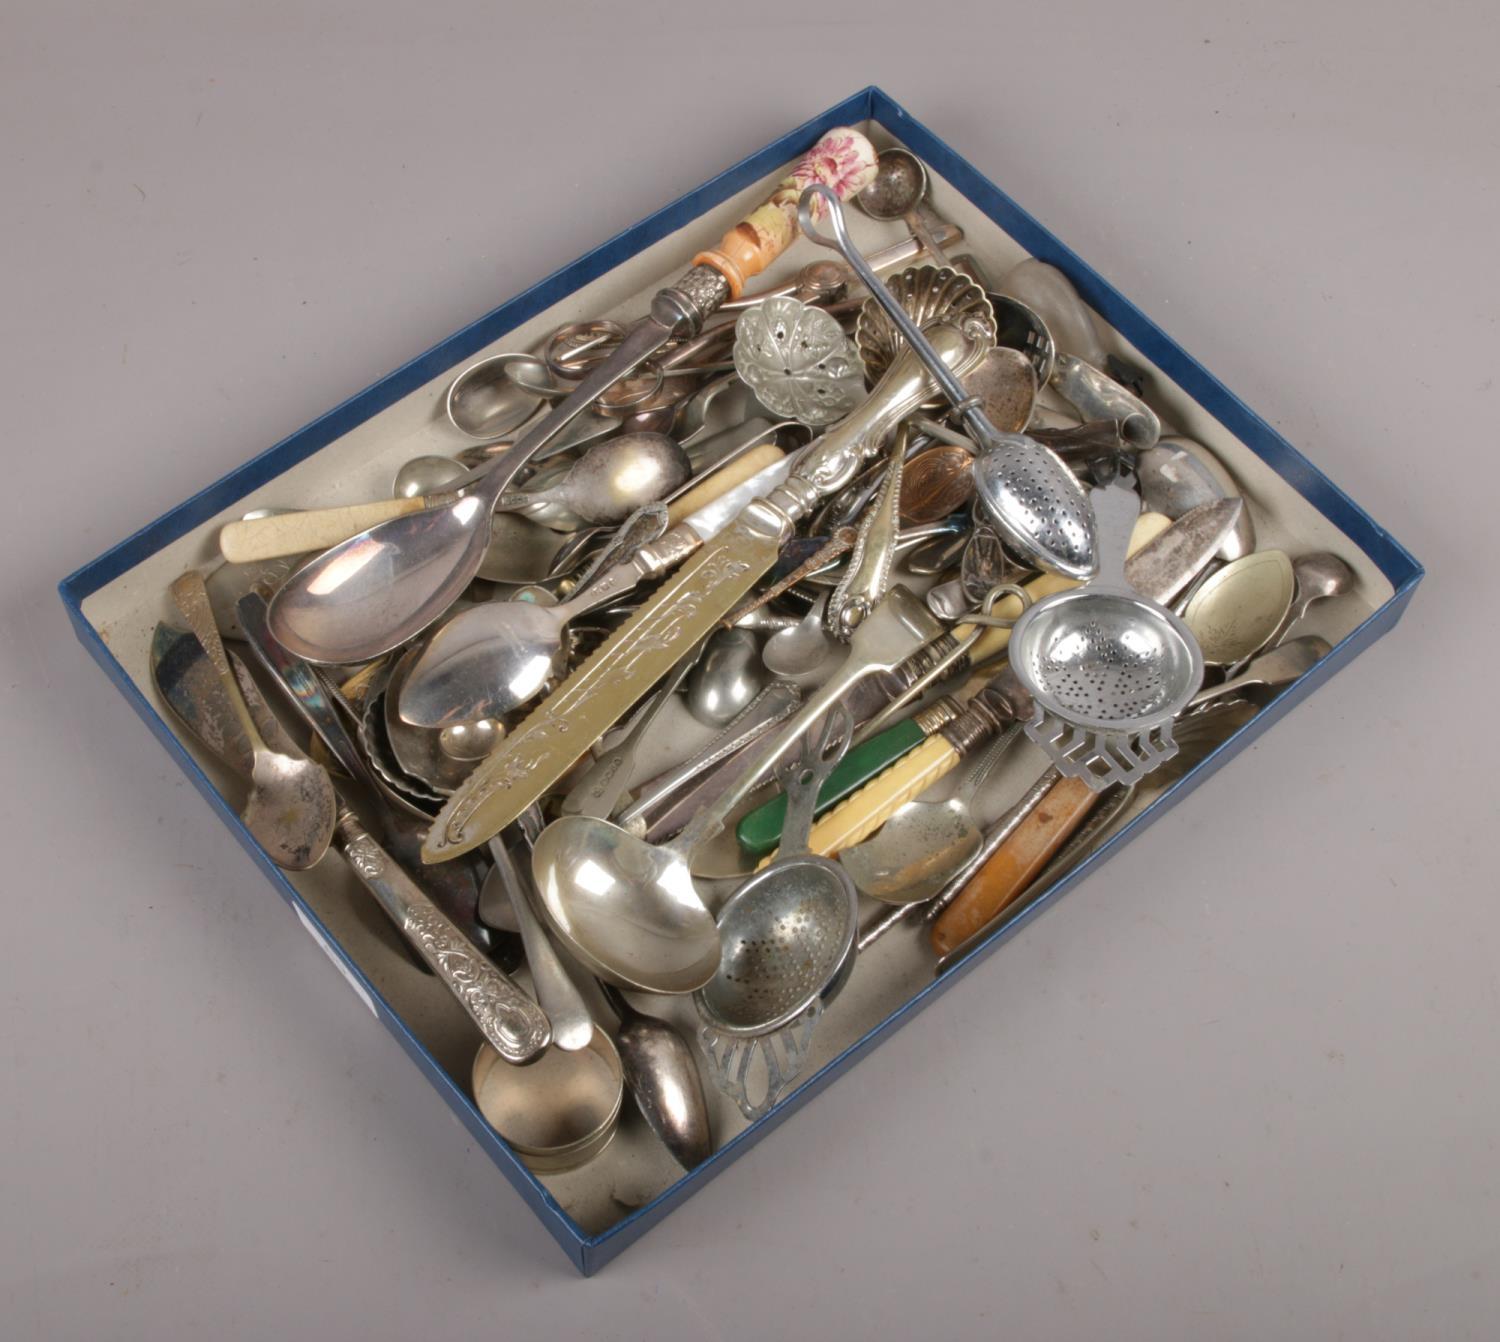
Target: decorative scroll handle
511	1021
843	161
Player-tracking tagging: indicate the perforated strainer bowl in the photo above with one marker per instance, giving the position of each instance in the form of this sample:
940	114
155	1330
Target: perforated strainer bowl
1033	501
787	936
1106	668
788	939
1106	660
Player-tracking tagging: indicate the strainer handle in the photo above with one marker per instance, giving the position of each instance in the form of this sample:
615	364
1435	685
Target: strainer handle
803	776
1116	509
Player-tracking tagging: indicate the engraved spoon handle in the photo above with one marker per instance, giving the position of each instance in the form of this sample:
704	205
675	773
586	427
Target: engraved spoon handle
516	1026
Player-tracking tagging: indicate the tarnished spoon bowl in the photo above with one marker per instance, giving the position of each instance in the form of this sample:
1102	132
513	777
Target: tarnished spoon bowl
1239	609
626	908
486	401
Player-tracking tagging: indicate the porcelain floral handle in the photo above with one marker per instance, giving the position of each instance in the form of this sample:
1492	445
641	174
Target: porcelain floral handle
843	160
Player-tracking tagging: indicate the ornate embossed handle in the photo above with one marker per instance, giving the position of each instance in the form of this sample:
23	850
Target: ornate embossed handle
833	460
516	1026
843	161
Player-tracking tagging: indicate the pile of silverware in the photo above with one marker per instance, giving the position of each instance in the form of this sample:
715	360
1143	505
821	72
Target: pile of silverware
708	638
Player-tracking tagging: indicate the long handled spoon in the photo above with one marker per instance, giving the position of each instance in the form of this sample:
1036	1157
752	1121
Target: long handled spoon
377	589
608	483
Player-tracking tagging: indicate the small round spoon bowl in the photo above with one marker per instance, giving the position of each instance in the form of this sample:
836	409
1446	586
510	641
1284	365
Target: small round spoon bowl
900	185
422	476
486	401
626	908
1319	577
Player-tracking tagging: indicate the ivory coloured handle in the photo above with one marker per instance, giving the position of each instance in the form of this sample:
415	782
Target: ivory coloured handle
868	809
859	816
843	160
1015	864
721	481
301	533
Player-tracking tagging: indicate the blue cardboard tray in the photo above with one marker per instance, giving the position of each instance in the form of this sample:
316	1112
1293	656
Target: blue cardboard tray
590	1251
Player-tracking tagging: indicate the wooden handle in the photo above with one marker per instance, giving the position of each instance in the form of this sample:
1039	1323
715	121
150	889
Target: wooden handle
301	533
843	160
721	481
1148	527
1015	864
859	816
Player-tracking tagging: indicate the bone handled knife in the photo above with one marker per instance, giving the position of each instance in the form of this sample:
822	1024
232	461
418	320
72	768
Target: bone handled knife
681	612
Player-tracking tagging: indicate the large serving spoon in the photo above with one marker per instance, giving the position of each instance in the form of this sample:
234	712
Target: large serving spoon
379	588
628	909
291	809
604	486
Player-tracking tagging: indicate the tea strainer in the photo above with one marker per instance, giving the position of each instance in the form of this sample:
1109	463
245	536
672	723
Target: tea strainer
1106	668
788	941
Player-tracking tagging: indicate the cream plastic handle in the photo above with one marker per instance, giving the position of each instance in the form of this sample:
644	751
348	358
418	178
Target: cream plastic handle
304	532
861	814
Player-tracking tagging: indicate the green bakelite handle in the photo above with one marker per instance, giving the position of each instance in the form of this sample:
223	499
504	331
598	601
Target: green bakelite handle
759	832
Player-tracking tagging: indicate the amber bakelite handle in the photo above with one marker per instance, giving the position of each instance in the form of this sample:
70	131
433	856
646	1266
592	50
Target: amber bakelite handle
1015	864
843	160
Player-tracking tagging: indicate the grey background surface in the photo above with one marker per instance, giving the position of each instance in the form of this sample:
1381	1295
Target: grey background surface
1242	1084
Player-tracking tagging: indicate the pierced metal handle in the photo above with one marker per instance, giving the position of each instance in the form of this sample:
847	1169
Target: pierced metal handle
783	1053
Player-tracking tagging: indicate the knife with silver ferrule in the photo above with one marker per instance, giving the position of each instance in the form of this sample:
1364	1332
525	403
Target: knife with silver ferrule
682	611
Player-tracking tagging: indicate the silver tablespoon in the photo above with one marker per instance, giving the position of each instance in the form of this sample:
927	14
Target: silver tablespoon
604	486
291	809
373	591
